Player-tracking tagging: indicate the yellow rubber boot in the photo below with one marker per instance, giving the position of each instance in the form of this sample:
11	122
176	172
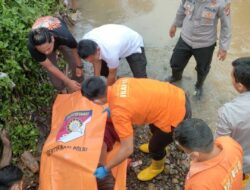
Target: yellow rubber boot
144	148
152	171
246	181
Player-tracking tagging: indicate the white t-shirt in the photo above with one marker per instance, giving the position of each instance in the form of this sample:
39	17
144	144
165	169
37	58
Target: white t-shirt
115	42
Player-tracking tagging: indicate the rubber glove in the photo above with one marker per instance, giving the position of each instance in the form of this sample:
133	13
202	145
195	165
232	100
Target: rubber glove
101	172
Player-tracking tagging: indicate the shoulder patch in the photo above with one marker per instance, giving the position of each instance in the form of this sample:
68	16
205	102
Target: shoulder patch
227	9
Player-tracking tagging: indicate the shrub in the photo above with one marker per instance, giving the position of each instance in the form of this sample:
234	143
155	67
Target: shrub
31	92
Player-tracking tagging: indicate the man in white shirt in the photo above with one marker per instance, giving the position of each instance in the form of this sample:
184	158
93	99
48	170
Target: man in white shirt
106	45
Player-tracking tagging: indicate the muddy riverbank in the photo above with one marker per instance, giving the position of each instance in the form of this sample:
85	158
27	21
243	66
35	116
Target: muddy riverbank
152	19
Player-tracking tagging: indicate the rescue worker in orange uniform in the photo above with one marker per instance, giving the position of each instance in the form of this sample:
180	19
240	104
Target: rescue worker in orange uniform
136	102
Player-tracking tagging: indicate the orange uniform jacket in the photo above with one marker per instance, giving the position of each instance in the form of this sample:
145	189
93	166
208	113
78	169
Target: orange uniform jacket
145	101
223	172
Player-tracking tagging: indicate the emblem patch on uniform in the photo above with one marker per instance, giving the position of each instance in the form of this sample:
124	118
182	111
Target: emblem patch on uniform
124	89
227	9
188	8
74	126
207	14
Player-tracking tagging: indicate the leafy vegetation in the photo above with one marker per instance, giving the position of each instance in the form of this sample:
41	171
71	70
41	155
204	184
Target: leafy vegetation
24	90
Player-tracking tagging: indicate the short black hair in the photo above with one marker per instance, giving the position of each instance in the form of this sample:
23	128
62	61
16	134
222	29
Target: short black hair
86	48
40	36
9	175
241	71
94	87
195	135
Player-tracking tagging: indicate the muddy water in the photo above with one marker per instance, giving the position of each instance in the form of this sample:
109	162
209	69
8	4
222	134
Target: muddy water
152	19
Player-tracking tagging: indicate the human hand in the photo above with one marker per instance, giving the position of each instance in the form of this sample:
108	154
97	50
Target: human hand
7	152
73	86
101	172
172	31
79	72
221	55
5	137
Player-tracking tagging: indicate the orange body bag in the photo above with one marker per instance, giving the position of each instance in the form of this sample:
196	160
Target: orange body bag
71	153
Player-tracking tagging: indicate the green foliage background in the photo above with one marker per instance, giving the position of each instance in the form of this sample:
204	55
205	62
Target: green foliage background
31	92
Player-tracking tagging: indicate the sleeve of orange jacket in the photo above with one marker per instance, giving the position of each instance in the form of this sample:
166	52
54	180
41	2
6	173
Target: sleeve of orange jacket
122	123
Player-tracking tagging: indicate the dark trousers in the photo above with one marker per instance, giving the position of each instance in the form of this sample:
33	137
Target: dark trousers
70	59
107	183
183	52
137	63
161	139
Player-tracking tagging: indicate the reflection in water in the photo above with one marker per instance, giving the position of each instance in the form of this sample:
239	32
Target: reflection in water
98	12
147	17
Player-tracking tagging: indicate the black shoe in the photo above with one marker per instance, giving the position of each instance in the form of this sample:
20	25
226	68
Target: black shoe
172	79
198	93
176	76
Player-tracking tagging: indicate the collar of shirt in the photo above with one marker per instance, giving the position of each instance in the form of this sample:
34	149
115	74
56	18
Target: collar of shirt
247	93
197	167
245	96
